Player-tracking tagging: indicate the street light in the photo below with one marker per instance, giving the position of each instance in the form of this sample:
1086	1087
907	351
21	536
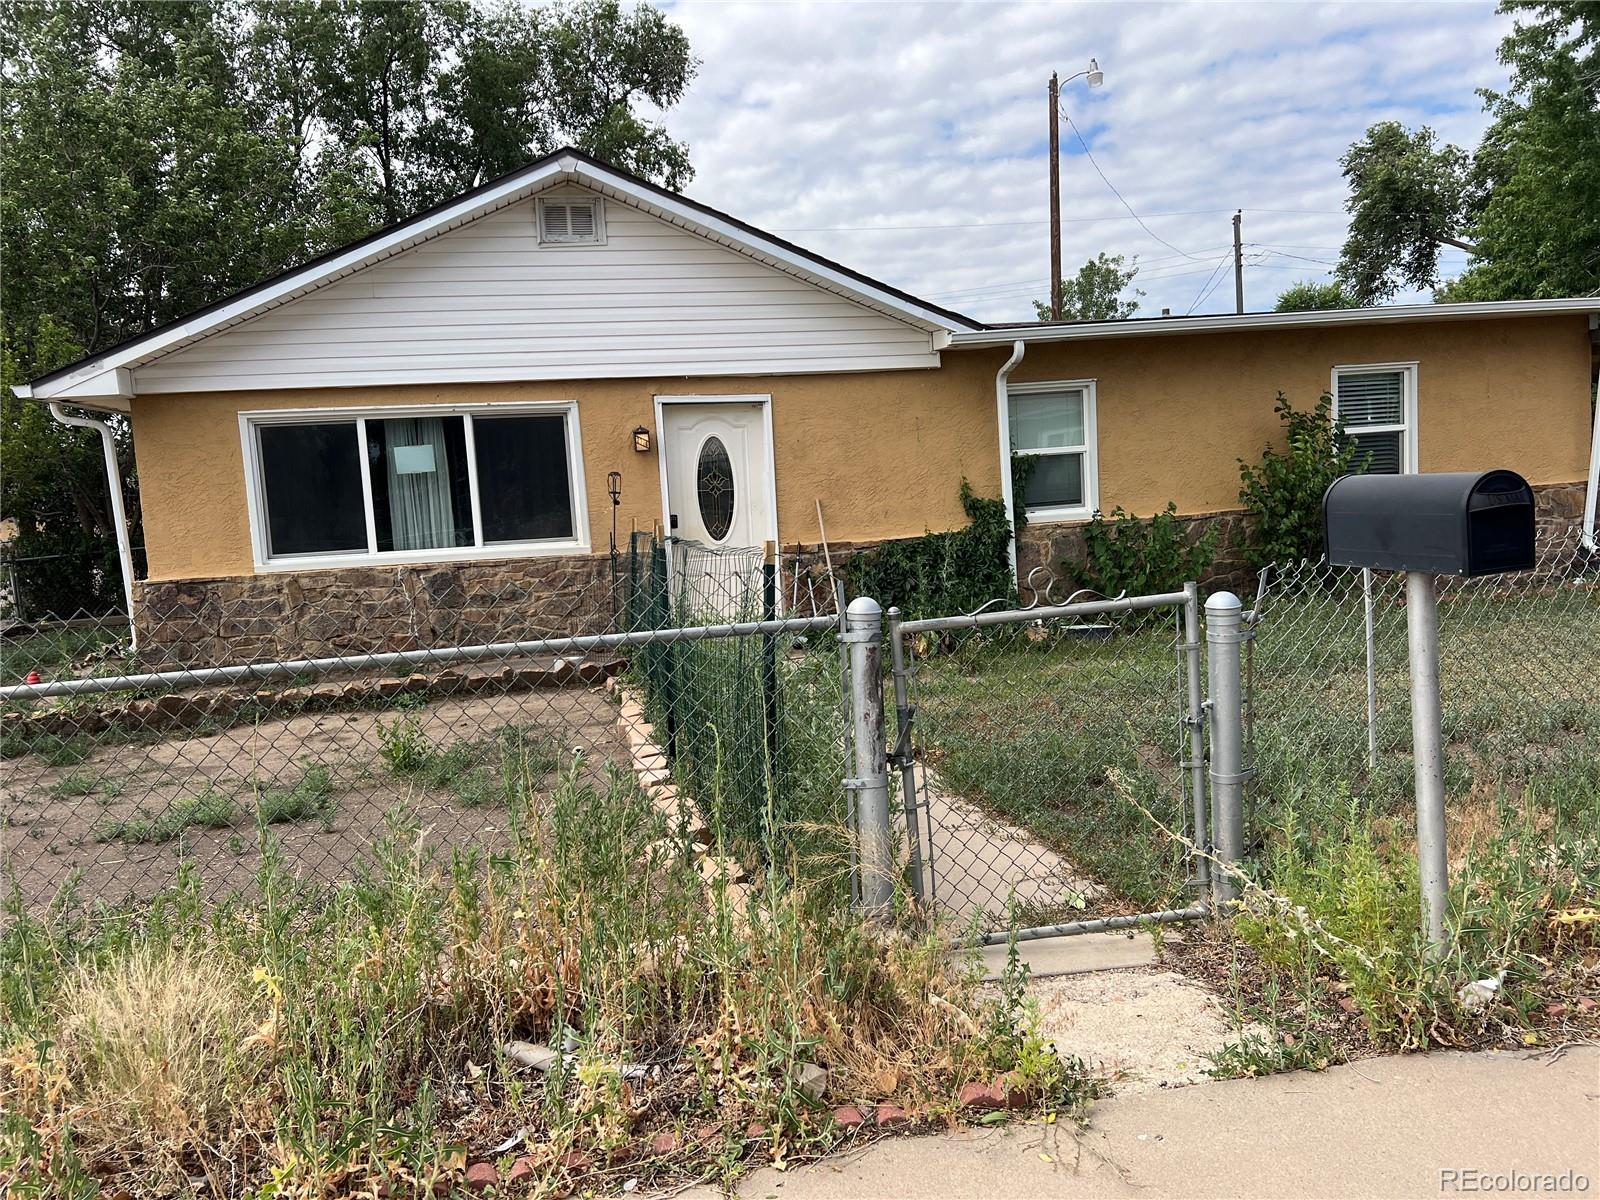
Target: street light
1095	77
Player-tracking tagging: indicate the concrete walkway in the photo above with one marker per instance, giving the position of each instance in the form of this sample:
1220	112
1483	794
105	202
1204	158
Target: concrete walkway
1392	1127
981	863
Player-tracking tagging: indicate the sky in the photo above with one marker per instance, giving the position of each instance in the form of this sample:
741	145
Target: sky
910	141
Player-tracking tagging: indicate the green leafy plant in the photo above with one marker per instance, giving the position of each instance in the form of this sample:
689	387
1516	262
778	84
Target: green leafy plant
1128	554
941	573
211	809
402	745
310	796
1283	492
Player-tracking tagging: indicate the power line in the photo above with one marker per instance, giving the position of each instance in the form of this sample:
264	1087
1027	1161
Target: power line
1202	293
1090	156
1185	212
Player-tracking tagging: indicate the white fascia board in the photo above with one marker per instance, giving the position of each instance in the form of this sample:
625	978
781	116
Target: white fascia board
1166	326
300	282
108	391
741	239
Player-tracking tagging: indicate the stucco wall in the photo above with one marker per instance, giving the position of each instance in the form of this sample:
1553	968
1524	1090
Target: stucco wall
884	451
1176	413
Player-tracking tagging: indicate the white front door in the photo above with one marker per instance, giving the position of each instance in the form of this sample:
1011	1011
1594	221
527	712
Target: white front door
719	498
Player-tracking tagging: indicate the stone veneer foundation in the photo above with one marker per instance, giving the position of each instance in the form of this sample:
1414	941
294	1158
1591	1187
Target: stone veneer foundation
1558	511
358	610
289	615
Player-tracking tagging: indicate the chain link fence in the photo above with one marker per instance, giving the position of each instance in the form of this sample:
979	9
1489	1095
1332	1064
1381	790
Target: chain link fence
1519	674
1036	753
1042	743
128	766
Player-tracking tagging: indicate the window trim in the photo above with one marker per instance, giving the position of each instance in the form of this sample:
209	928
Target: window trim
1408	430
251	421
596	203
1090	449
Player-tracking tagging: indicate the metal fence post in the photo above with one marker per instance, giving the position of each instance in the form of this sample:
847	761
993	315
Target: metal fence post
864	636
1427	751
904	755
1224	636
1372	669
1195	720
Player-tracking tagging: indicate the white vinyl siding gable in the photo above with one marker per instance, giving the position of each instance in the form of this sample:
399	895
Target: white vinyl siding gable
487	301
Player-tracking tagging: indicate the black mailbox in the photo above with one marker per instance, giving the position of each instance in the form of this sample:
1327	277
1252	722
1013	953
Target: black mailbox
1453	523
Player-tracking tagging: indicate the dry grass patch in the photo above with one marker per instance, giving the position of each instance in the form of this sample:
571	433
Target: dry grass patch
156	1048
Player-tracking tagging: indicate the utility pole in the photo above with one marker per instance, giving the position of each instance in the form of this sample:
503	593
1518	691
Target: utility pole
1238	262
1055	197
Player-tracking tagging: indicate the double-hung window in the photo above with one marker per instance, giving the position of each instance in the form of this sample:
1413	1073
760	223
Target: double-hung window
414	484
1054	425
1377	407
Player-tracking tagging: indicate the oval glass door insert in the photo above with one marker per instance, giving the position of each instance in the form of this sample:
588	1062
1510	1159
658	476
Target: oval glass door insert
714	487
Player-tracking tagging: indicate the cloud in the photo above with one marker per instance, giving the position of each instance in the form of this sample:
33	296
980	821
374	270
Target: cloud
845	125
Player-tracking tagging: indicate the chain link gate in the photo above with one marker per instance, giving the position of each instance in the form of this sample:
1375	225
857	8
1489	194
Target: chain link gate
1038	748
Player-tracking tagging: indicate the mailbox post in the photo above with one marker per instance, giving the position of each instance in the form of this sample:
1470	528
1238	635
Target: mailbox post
1460	523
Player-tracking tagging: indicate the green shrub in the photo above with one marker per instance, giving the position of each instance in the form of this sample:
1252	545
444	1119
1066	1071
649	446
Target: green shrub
1130	555
405	749
1284	491
939	574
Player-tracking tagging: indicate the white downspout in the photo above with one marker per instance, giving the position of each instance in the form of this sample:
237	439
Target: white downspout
119	516
1002	405
1587	535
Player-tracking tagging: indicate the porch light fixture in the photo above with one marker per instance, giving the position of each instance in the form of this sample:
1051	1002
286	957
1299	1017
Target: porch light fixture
641	440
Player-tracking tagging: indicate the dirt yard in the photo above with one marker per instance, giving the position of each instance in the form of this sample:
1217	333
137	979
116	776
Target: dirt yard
123	817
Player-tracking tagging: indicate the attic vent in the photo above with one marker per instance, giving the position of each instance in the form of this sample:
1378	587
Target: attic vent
570	222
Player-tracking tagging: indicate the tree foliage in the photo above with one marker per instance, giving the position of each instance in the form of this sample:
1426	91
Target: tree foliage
1096	292
1525	203
159	156
1308	295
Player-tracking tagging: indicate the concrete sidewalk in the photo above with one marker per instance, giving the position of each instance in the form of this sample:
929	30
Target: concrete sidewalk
1381	1128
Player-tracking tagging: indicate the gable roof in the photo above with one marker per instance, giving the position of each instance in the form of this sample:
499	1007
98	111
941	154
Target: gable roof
105	376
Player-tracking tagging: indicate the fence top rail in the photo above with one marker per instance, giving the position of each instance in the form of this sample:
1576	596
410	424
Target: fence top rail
1012	616
202	676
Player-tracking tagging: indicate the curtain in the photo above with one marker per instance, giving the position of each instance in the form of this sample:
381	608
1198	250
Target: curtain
421	514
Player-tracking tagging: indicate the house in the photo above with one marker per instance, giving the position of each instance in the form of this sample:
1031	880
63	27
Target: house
418	433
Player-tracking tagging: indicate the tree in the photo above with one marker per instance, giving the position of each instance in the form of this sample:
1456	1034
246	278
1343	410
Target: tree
1525	203
1095	293
157	157
1407	198
1308	296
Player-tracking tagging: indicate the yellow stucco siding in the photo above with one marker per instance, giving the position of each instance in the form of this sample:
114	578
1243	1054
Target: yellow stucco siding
1176	413
886	451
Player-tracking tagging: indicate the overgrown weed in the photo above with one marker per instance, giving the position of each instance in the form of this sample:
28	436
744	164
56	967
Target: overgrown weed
354	1038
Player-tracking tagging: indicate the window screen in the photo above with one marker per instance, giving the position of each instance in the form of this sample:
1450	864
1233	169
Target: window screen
1052	428
311	475
1053	420
523	489
1371	405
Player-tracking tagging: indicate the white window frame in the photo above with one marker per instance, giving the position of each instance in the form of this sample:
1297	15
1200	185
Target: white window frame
1408	430
594	202
251	422
1090	450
